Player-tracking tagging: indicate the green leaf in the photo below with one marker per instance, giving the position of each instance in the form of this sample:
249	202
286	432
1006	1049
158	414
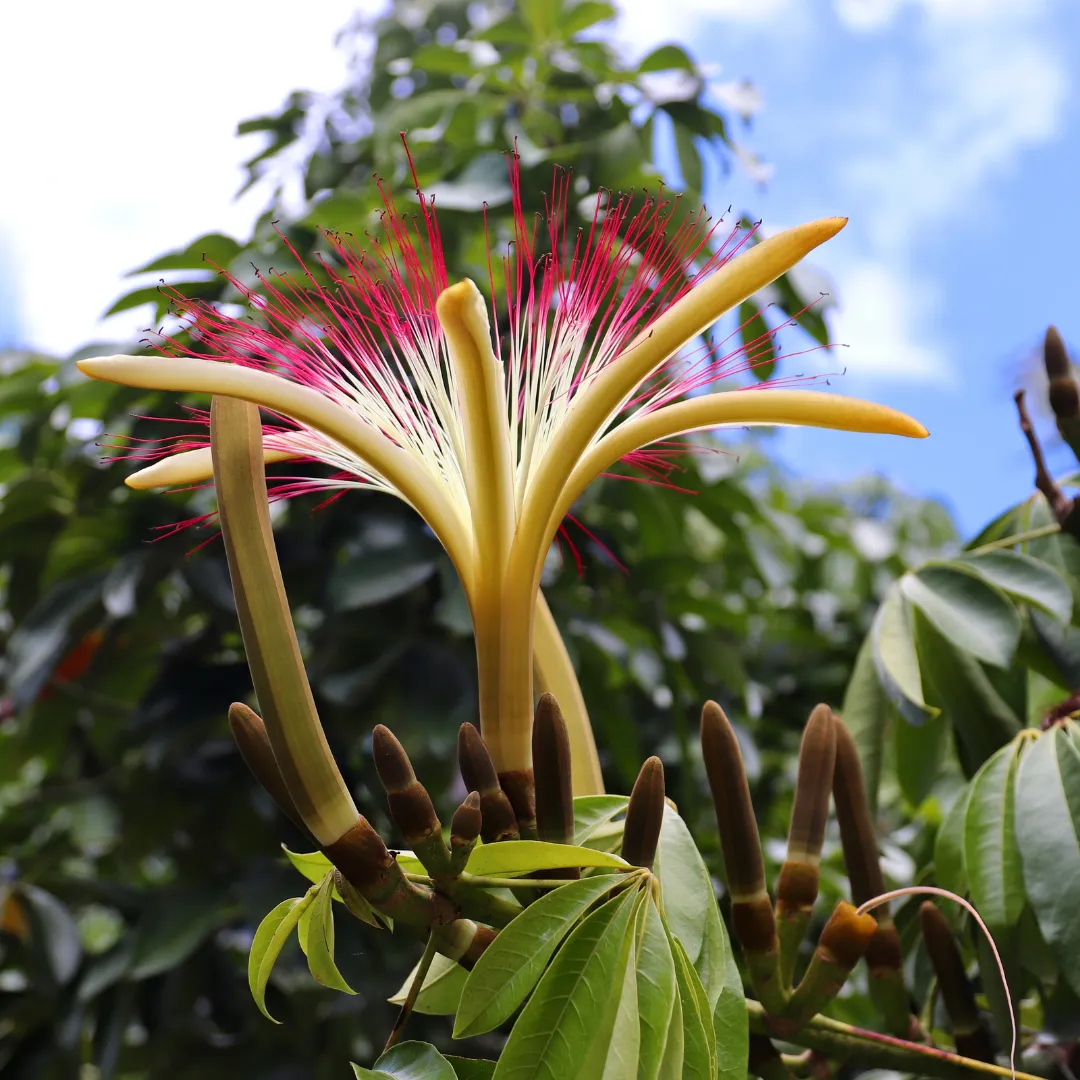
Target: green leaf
956	682
689	160
732	1026
895	660
412	1061
950	870
200	254
991	855
441	991
471	1068
699	1038
582	16
1048	834
688	902
757	340
666	58
671	1068
593	812
973	614
656	992
526	856
570	1016
1026	578
172	928
270	939
624	1046
320	940
866	712
510	966
920	751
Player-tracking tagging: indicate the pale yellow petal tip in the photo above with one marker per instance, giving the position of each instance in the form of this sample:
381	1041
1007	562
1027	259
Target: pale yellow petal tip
103	367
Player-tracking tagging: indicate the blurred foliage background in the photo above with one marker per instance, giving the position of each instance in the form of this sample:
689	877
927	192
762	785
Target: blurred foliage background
136	853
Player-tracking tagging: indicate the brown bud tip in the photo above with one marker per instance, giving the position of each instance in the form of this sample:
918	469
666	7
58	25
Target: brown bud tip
361	856
475	763
734	811
551	773
857	835
391	762
249	733
953	984
1055	355
847	934
466	822
797	886
885	953
810	812
644	815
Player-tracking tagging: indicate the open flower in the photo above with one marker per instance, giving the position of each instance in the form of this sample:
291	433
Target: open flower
374	365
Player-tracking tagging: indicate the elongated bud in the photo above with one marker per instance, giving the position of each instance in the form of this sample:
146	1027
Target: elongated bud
644	815
797	886
464	831
410	805
841	946
554	783
1064	392
478	772
751	909
249	733
971	1037
551	769
884	956
368	866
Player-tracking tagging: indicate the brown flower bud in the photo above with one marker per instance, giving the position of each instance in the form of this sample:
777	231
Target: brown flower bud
551	769
644	815
478	772
249	733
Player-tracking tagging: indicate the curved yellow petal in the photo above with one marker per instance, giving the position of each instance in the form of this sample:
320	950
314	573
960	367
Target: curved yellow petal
189	467
738	408
404	471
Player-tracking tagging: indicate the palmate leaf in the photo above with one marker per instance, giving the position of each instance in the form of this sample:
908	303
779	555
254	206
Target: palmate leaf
991	853
1027	579
316	933
699	1038
511	965
656	994
1048	835
314	865
564	1031
593	814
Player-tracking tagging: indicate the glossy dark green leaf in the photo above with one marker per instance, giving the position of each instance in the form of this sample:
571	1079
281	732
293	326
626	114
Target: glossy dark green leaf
866	712
757	340
1028	579
895	659
409	1061
1048	835
511	965
975	615
565	1027
991	855
957	684
471	1068
950	870
920	751
666	58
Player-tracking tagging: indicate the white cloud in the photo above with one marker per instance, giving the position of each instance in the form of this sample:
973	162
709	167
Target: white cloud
639	28
119	137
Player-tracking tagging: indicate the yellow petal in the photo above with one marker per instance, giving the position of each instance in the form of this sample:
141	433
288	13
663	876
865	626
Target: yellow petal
406	472
189	467
737	408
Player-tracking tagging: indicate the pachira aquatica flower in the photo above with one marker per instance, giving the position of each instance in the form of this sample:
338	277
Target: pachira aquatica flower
490	412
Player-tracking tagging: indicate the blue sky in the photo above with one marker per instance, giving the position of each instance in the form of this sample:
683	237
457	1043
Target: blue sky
947	130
